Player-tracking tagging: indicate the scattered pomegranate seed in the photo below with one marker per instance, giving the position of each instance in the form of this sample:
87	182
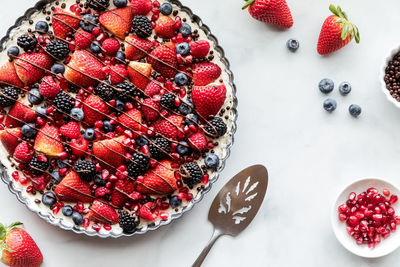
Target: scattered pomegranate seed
386	192
96	227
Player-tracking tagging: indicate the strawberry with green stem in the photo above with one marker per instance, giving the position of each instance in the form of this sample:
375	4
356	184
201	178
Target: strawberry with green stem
336	32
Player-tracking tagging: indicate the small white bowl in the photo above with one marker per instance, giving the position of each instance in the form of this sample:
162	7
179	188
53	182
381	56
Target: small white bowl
387	245
393	52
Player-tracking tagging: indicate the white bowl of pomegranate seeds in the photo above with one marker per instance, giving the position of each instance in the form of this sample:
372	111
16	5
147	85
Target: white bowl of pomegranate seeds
365	218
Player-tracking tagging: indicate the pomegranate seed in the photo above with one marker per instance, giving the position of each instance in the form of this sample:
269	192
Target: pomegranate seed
386	192
342	217
164	216
372	190
96	227
393	199
377	217
15	175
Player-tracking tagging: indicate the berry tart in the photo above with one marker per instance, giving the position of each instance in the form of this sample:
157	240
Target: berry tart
116	115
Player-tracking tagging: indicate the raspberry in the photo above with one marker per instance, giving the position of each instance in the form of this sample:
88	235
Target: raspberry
111	46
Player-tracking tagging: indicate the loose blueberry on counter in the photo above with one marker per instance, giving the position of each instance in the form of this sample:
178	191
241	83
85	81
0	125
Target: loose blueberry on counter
77	218
185	29
355	110
141	141
99	181
186	107
212	161
88	22
49	199
183	48
330	105
28	130
344	88
326	86
191	119
13	50
67	210
41	111
183	148
55	177
108	127
35	97
89	134
120	3
77	114
181	79
58	68
175	202
95	47
119	105
42	26
121	56
166	9
292	45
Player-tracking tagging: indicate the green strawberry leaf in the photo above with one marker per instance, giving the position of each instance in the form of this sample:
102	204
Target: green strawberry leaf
248	3
348	29
3	231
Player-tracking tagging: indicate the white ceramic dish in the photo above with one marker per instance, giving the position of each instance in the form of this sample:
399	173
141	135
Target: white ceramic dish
387	245
393	52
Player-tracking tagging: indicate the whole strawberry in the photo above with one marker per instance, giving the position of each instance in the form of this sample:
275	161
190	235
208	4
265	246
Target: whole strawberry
18	249
275	12
337	31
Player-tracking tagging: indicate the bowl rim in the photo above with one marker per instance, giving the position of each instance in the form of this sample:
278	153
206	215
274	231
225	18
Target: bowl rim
388	58
334	218
48	216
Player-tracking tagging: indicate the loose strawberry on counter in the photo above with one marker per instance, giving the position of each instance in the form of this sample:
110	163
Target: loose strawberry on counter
337	31
18	249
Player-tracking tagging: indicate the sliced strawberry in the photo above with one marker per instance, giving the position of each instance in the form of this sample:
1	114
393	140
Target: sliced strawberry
118	73
198	141
95	109
208	100
48	141
111	151
31	67
9	75
200	48
71	130
160	180
165	27
83	39
139	73
79	146
121	192
205	73
163	59
141	7
19	114
10	138
48	87
118	21
150	109
84	69
74	189
131	119
149	211
64	23
23	153
170	127
137	48
103	213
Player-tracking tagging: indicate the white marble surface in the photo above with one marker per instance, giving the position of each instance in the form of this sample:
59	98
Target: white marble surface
310	154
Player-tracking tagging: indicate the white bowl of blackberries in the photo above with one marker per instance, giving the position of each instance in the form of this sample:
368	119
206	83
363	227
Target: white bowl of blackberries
390	77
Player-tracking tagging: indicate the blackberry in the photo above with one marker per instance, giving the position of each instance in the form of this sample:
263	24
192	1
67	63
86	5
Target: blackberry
104	91
138	165
85	169
58	49
27	41
73	88
159	147
128	222
99	5
64	102
168	100
191	173
141	26
37	166
126	91
215	127
8	96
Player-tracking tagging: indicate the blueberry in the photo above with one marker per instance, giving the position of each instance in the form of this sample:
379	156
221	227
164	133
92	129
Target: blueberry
35	97
49	199
344	88
181	79
89	134
61	163
166	9
77	114
108	127
330	105
326	86
183	148
77	218
183	48
55	177
58	68
186	107
13	50
141	141
95	47
185	29
42	26
41	111
99	181
175	202
121	56
119	105
212	161
88	22
355	110
120	3
191	119
292	45
28	130
67	210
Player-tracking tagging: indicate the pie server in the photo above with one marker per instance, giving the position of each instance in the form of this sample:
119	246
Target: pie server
236	205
